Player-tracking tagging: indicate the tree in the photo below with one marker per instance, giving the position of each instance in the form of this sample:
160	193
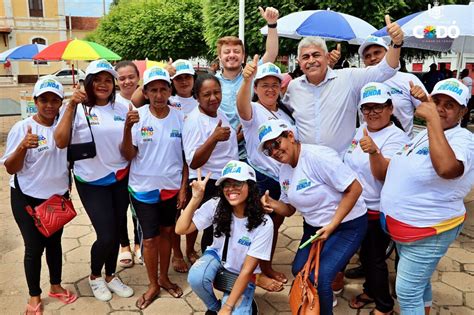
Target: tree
153	29
221	18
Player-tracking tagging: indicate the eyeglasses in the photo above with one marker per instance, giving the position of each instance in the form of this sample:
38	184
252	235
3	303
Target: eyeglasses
232	184
273	145
270	86
376	109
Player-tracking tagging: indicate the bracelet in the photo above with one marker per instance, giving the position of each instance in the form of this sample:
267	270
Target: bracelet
272	25
395	45
229	306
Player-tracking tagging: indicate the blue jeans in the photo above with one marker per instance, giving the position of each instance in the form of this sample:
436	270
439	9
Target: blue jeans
418	261
336	252
200	278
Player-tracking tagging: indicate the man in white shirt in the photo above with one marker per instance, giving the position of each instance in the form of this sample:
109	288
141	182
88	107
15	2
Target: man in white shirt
372	51
324	101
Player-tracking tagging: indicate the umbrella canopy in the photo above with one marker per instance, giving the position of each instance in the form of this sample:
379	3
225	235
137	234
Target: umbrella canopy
441	28
327	24
76	49
21	53
142	65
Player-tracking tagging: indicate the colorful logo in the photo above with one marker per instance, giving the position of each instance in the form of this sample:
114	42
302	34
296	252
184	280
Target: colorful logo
147	133
118	118
302	184
104	65
177	105
180	66
394	91
403	149
285	185
353	145
156	72
423	151
49	84
371	91
436	31
93	119
429	32
42	143
231	168
451	86
270	69
175	133
263	131
245	241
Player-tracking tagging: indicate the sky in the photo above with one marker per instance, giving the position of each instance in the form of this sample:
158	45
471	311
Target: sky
86	7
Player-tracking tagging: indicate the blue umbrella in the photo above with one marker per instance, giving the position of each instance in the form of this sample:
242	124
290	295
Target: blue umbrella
21	53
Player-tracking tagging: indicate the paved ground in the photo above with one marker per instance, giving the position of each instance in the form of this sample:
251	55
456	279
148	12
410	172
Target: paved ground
453	282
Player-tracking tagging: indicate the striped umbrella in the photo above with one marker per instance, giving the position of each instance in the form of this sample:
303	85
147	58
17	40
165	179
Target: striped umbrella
76	49
21	53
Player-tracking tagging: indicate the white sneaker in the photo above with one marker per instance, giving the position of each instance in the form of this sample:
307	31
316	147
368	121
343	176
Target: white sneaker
100	290
118	287
334	300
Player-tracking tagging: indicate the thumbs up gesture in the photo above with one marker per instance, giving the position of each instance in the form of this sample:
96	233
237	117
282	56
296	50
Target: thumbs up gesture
250	69
394	30
78	96
266	201
269	14
170	68
367	144
132	117
334	56
417	92
30	140
221	133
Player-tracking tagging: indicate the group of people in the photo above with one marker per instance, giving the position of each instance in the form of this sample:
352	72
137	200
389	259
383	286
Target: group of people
232	156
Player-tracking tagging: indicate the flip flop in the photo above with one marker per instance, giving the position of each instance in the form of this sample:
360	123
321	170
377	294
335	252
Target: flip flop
66	298
174	290
192	257
125	259
359	302
179	265
143	302
38	310
269	284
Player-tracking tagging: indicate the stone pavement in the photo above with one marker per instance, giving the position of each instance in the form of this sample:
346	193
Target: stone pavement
453	282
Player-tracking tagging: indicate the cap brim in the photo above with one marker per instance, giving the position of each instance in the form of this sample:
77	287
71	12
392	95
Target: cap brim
450	95
367	44
48	90
157	79
228	176
112	72
278	76
376	100
191	72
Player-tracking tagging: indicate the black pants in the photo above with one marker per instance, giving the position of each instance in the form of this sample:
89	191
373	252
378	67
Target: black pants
35	244
210	192
372	258
106	207
124	240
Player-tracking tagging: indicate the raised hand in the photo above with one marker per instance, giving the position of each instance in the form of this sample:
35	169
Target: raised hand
221	133
367	144
269	14
78	96
427	110
394	30
334	56
30	141
170	68
250	69
417	92
266	200
132	117
198	186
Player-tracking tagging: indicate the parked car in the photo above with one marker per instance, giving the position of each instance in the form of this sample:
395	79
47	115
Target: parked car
65	76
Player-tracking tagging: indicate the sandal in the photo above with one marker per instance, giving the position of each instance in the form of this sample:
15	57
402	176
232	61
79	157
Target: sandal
174	290
192	257
30	310
125	259
143	302
138	258
179	265
66	298
269	284
360	301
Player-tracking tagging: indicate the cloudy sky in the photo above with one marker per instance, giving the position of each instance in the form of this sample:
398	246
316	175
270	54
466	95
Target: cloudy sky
86	7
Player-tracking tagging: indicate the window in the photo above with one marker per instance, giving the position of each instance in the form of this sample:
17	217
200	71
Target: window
417	67
36	8
42	41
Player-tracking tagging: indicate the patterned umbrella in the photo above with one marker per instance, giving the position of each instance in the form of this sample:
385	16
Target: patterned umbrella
76	49
21	53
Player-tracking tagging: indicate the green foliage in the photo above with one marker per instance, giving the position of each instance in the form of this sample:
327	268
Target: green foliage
153	29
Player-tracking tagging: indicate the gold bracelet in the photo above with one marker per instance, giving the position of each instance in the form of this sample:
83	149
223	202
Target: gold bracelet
229	306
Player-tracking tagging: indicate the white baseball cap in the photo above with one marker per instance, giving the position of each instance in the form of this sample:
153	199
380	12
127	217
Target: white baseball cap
183	66
454	88
48	84
268	69
155	73
271	129
100	65
237	170
372	40
374	92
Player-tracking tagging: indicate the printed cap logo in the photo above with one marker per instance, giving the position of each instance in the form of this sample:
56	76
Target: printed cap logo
452	87
104	65
371	90
263	131
49	83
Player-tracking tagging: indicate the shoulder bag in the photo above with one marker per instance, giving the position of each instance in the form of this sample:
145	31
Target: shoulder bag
304	297
81	151
225	279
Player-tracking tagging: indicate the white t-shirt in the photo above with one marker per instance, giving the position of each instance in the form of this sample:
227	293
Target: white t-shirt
256	243
159	161
186	104
45	171
122	100
389	140
107	123
413	192
316	185
467	81
198	127
264	164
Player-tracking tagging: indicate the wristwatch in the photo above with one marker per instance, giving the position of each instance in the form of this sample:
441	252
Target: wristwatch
395	45
274	25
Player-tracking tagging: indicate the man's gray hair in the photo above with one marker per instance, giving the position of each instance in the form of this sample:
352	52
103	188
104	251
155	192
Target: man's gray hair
312	41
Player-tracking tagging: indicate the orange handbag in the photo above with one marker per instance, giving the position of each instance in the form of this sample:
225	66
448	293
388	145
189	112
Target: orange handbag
304	299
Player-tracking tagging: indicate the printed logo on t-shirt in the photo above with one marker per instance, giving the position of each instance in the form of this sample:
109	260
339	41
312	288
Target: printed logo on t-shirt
42	143
118	118
175	133
353	146
147	133
394	91
177	105
285	185
423	151
302	184
93	119
245	240
403	149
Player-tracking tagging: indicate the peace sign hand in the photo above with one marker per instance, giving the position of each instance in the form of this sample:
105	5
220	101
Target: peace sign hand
198	186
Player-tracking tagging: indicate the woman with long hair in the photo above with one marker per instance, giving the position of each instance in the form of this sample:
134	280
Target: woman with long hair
239	220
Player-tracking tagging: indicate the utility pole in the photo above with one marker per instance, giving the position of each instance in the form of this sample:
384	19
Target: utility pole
242	20
103	7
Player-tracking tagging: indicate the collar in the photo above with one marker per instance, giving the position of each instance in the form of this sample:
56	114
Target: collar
330	74
220	75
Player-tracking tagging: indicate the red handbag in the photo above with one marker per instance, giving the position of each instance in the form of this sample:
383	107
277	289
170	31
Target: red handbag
51	215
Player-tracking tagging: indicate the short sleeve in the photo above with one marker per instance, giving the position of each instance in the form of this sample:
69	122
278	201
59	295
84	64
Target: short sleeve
192	138
261	246
204	216
15	136
394	142
463	148
135	134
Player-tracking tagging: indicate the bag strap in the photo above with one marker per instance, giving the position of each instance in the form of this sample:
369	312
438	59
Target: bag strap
315	262
224	252
28	207
309	262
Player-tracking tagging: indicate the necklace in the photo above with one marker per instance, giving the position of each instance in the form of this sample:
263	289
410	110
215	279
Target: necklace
418	143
